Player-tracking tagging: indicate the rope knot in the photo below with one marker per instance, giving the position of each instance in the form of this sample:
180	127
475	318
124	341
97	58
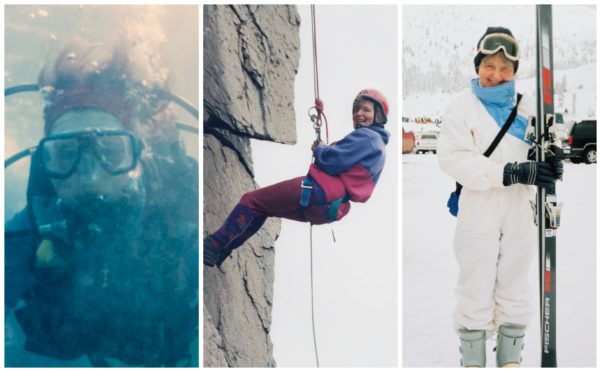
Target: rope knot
319	105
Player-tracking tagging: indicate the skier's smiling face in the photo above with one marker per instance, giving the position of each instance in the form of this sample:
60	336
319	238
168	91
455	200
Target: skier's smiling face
363	113
495	69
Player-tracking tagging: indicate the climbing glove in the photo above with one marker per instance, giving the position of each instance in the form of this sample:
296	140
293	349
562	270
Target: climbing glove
540	174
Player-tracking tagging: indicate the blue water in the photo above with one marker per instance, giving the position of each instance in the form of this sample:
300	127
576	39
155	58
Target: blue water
35	32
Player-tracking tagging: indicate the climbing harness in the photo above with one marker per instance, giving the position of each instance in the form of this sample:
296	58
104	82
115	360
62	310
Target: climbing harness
163	94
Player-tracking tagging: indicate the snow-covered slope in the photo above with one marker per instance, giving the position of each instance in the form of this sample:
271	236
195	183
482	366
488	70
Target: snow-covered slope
439	41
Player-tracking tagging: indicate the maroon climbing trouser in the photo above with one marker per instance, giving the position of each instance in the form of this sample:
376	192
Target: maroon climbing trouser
278	200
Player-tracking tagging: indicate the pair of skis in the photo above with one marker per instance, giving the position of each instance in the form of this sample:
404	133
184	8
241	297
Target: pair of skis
546	207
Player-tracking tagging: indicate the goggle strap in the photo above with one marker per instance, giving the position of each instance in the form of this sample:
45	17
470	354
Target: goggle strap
500	47
506	37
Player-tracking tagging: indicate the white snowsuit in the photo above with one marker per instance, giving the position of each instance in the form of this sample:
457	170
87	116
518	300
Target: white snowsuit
495	235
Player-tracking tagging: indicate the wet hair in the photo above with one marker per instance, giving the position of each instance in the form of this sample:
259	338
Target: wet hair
126	83
84	74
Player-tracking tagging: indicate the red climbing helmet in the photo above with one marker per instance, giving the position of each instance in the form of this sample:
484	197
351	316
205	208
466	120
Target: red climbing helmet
378	99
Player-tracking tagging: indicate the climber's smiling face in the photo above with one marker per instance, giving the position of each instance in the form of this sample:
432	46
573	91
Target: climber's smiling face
363	113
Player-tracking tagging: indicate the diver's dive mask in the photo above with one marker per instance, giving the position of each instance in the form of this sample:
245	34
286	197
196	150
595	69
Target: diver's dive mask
117	151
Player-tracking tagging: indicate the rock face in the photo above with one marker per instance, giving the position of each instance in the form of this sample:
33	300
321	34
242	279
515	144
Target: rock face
251	56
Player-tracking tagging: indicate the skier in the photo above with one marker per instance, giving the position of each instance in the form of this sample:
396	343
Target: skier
103	261
345	171
495	237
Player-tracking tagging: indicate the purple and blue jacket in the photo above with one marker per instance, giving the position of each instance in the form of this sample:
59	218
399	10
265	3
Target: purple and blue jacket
352	166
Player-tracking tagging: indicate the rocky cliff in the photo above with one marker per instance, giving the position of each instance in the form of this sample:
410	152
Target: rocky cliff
251	56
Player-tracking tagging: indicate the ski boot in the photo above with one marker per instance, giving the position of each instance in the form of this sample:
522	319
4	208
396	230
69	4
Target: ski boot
473	351
213	255
510	343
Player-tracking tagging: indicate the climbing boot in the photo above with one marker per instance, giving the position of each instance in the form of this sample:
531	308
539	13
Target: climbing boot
213	255
510	343
473	351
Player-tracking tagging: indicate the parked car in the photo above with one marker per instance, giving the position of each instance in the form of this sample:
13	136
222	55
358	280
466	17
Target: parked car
582	142
426	142
408	142
561	129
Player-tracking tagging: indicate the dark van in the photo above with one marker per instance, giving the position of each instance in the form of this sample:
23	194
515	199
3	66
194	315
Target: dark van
583	142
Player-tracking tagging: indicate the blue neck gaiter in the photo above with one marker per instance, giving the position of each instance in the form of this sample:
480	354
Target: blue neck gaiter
499	101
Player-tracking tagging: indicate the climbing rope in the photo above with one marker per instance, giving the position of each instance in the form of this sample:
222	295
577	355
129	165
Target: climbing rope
312	292
316	119
315	66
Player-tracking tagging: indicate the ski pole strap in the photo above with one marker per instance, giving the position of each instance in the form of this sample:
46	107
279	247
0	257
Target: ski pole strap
497	139
306	187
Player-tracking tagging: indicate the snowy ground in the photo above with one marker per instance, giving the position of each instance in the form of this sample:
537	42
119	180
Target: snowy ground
430	270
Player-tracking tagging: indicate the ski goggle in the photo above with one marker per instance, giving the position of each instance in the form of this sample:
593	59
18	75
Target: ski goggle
492	43
117	151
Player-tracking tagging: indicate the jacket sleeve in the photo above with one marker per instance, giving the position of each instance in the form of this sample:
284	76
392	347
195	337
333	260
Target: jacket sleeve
460	158
344	154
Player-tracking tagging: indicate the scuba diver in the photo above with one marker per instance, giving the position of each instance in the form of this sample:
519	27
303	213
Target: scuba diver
103	260
344	171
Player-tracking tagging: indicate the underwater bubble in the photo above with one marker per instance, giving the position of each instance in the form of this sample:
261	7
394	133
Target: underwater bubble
71	55
53	36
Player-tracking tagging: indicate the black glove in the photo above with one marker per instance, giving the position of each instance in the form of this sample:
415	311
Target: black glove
554	156
530	173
